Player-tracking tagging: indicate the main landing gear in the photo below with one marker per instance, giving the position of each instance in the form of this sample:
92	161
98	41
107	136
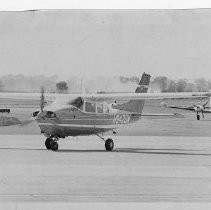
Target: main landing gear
109	143
51	143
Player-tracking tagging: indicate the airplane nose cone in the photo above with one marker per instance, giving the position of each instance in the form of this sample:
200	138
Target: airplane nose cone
34	114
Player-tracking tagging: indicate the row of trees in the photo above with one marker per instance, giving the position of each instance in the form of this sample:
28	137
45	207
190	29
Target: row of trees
21	83
164	84
182	85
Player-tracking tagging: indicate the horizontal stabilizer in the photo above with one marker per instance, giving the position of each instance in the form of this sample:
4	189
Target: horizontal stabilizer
163	116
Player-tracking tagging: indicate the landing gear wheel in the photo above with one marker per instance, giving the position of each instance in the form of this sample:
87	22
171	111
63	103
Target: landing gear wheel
198	117
48	143
54	145
109	144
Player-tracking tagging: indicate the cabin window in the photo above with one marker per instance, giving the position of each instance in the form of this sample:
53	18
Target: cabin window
90	107
99	108
105	109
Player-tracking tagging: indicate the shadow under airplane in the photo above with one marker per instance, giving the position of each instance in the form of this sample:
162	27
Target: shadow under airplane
125	150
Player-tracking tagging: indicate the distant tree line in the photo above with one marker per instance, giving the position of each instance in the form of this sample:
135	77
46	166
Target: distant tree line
22	83
164	84
62	87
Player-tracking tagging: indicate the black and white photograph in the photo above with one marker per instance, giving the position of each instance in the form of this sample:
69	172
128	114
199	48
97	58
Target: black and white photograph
105	108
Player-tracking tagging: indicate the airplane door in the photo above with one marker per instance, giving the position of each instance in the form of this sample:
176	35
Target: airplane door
90	118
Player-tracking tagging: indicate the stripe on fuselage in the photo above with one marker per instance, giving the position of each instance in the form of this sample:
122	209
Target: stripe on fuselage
81	126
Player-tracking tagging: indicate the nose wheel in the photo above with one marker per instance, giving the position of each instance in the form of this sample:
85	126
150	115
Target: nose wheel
48	143
51	144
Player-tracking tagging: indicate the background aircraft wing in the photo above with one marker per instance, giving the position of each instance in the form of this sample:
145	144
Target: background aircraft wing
8	121
191	108
207	111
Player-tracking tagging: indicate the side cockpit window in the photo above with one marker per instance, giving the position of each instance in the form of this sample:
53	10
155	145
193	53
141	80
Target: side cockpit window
90	107
99	108
96	108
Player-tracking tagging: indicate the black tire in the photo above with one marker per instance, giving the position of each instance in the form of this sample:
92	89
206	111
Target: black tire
198	117
109	144
48	143
54	145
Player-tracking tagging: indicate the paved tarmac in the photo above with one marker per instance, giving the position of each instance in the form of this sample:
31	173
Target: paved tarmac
154	160
144	168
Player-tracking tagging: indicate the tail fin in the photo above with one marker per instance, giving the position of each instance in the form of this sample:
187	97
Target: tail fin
137	105
143	84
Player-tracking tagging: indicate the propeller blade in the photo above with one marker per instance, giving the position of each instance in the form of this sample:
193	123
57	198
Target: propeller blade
202	113
205	104
42	99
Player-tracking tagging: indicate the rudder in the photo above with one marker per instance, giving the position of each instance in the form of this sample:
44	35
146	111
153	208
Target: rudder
137	105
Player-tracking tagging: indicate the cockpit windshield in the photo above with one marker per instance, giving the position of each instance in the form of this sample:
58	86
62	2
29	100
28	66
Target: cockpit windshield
78	102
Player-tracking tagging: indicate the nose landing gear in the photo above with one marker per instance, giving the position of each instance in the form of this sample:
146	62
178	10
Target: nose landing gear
51	143
48	143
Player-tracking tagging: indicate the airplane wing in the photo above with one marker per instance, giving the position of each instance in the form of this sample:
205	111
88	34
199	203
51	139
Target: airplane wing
161	116
17	100
97	96
146	96
168	115
25	96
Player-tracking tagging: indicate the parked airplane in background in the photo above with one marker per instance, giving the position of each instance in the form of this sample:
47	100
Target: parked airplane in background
196	108
90	114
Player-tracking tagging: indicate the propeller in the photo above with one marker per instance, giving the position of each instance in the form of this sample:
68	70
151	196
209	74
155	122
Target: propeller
200	108
42	99
204	105
34	114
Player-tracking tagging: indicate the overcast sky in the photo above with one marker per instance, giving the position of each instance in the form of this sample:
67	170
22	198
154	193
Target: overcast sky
86	43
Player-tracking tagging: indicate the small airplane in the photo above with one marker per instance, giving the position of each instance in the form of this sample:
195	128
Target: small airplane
196	108
91	114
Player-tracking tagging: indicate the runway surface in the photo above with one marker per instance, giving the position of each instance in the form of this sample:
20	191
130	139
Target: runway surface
154	160
144	168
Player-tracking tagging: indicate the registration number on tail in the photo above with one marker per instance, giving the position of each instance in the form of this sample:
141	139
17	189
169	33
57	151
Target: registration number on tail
121	118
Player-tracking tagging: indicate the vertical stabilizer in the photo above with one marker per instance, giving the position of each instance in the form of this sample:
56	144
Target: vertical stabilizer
137	105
